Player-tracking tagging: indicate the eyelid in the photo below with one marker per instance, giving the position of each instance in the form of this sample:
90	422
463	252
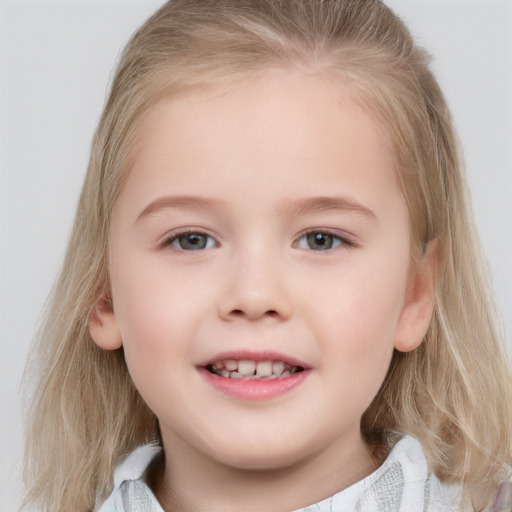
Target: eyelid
347	241
168	238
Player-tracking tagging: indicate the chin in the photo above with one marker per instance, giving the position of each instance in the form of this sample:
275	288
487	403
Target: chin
258	459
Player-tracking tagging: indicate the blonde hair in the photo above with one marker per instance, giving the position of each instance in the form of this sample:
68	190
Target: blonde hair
452	393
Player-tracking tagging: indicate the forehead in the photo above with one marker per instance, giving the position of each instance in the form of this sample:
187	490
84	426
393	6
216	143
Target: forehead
260	134
257	104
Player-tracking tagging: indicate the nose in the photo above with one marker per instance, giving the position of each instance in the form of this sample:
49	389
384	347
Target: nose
257	288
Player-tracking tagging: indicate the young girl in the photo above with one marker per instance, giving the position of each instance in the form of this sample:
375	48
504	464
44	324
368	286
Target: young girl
273	297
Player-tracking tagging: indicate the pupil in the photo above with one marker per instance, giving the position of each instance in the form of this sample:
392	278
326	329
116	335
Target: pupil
193	241
320	241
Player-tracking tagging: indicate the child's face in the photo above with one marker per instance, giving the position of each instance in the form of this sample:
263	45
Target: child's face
264	224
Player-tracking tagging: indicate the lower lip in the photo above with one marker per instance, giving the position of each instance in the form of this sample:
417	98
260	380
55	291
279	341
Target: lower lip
254	389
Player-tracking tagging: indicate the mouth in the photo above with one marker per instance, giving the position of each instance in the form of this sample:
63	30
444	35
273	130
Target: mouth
254	376
252	370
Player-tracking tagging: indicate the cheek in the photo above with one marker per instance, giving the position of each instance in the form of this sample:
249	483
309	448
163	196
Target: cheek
158	310
359	313
144	316
154	350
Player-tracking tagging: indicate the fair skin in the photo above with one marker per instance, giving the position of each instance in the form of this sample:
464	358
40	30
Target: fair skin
296	248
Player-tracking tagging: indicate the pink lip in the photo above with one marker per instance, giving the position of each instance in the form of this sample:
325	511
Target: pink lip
254	389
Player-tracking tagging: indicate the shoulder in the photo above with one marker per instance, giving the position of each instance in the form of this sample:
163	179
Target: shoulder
402	483
420	486
130	470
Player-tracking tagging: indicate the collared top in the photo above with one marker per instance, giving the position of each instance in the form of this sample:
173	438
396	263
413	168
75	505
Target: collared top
401	484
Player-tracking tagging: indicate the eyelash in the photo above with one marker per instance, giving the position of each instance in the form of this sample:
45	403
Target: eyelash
337	241
175	239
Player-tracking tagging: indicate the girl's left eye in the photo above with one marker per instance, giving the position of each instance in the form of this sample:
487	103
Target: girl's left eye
192	241
320	241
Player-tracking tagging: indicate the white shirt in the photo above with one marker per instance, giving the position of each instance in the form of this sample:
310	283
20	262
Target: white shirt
401	484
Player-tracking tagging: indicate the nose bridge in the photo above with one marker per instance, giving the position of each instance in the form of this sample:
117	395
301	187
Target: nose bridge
257	284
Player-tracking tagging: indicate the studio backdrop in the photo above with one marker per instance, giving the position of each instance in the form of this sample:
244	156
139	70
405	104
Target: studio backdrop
56	62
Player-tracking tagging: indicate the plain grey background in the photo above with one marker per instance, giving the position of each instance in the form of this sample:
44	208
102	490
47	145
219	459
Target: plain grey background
56	60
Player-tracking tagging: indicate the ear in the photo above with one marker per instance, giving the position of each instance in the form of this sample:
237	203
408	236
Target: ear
418	306
103	326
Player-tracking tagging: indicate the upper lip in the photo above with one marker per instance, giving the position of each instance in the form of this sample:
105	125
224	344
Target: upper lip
255	356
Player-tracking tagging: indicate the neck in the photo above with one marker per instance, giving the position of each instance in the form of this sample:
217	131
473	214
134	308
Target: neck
187	481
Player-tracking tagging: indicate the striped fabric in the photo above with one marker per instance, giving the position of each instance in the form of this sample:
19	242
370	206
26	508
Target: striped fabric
400	484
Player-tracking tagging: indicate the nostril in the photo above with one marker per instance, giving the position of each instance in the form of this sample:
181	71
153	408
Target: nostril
240	312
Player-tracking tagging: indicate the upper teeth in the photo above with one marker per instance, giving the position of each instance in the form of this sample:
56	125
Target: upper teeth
246	368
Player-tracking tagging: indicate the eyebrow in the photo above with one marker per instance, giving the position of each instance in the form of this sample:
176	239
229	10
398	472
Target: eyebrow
289	208
178	202
326	203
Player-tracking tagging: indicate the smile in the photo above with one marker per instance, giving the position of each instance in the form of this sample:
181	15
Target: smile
249	369
250	376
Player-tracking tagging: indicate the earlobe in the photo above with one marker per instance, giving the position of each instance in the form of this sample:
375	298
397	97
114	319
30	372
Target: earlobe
102	324
419	301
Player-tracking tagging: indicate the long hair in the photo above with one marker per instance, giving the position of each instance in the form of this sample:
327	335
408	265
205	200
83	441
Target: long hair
452	393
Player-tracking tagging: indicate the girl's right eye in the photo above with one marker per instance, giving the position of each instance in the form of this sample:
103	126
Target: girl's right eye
191	241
